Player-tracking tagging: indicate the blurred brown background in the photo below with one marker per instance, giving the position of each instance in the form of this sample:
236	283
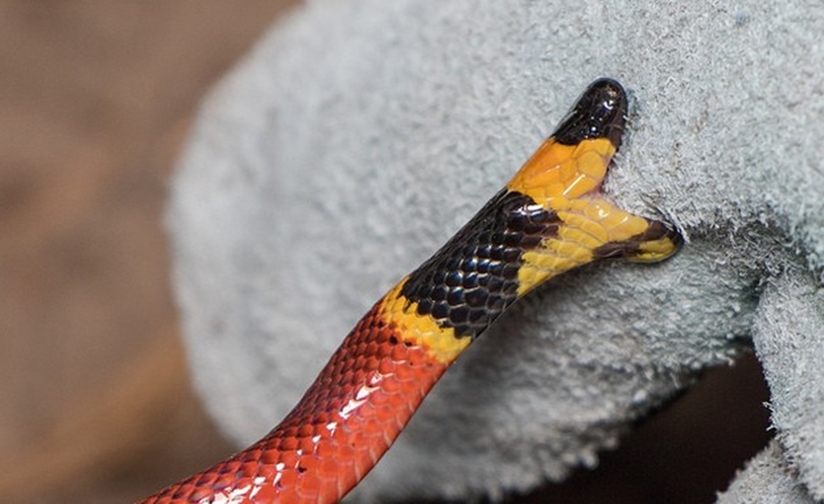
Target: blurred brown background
95	404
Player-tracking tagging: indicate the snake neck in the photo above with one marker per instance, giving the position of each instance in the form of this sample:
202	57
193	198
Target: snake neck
512	245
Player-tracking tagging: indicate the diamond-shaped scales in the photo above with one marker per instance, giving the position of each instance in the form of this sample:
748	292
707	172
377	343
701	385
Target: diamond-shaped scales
474	277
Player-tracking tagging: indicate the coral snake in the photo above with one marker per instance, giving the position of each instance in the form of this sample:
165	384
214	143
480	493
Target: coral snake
550	218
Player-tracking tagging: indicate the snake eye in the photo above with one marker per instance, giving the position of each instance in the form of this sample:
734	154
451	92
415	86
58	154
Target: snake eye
600	112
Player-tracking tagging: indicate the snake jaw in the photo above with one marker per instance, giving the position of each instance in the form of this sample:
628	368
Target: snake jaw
660	242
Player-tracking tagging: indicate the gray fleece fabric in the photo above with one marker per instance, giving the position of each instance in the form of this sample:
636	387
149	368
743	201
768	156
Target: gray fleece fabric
360	134
767	479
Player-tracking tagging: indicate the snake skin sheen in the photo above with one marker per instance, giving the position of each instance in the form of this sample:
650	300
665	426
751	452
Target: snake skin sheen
549	219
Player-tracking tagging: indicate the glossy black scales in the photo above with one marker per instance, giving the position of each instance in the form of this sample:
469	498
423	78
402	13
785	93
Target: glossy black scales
600	112
474	277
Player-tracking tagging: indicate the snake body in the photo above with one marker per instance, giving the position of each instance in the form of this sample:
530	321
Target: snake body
550	218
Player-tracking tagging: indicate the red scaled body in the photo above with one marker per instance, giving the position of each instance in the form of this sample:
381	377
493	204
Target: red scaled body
346	421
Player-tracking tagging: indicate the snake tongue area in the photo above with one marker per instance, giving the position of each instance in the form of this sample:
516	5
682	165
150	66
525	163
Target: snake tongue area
550	218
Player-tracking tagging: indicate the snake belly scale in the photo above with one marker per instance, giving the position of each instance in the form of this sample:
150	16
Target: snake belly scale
550	218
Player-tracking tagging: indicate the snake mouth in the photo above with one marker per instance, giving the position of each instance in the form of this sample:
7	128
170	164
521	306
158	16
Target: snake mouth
600	112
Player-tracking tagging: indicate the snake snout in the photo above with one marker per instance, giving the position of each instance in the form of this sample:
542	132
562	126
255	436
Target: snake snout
600	112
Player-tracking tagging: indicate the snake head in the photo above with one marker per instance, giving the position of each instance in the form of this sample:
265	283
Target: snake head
572	163
600	112
564	177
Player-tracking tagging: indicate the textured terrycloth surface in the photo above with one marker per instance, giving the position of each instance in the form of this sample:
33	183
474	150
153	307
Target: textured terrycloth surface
767	479
361	133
